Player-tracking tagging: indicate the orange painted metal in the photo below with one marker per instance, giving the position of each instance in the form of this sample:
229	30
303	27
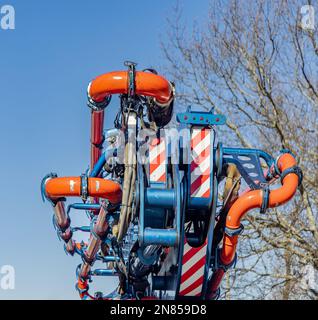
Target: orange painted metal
71	186
147	84
253	199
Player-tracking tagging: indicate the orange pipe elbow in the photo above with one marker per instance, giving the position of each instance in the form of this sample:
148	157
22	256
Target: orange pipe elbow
253	199
147	84
71	186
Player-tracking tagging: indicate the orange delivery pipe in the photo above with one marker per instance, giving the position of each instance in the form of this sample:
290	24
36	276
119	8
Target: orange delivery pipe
71	186
146	84
250	200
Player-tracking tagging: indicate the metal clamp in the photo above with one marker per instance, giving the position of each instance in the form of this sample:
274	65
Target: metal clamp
84	187
43	183
97	106
281	152
265	201
131	77
295	169
234	232
223	266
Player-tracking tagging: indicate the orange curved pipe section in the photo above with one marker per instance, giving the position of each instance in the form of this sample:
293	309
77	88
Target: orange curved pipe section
147	84
71	186
253	199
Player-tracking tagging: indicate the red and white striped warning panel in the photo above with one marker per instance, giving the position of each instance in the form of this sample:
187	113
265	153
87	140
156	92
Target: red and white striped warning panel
200	166
192	274
157	160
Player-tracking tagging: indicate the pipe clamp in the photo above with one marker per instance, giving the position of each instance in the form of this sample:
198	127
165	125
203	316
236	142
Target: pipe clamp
295	169
234	232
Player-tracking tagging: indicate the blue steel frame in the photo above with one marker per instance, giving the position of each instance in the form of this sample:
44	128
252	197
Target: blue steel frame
201	118
172	199
159	196
232	155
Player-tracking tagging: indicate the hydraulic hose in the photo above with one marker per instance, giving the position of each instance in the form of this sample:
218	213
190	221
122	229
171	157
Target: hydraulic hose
129	178
250	200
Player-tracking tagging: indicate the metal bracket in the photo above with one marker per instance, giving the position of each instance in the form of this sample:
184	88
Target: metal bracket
201	118
248	164
84	187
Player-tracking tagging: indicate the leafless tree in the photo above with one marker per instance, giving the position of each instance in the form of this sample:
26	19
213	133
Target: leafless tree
257	63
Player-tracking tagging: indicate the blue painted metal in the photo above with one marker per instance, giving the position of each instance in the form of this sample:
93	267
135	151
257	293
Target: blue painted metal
83	228
250	168
246	152
98	166
103	273
179	196
83	206
163	282
162	198
109	259
165	237
185	188
101	162
141	181
201	118
210	237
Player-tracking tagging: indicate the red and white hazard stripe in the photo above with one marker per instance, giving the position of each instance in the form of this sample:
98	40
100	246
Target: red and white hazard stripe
192	274
200	166
157	160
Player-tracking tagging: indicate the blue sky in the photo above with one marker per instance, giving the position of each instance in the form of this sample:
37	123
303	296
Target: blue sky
45	66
